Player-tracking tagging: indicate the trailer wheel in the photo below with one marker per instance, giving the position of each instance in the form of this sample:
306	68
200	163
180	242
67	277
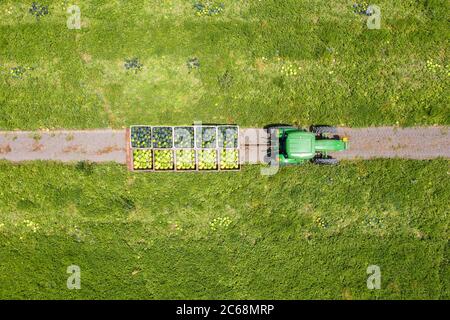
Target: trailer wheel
326	161
319	130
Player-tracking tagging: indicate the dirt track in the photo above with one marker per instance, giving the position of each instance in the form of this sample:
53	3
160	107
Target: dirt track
91	145
390	142
110	145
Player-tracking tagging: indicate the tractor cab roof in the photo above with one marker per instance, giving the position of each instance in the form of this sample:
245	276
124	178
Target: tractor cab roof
300	144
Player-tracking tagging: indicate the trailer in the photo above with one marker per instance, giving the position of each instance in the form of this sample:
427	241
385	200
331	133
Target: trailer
201	148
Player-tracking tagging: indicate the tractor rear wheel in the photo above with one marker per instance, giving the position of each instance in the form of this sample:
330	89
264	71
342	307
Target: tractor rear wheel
272	129
326	161
277	127
319	130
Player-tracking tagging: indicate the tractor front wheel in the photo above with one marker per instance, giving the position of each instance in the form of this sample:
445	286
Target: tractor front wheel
320	130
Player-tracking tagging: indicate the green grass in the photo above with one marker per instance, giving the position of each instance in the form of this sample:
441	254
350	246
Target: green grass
150	236
346	73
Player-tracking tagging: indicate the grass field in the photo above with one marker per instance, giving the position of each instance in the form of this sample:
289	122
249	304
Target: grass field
342	72
237	235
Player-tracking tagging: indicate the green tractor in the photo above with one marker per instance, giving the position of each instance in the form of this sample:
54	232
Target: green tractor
292	146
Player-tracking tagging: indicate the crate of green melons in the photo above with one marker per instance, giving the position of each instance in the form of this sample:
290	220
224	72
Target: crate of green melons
229	160
163	160
185	160
184	148
142	159
184	137
141	136
207	160
228	136
162	137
